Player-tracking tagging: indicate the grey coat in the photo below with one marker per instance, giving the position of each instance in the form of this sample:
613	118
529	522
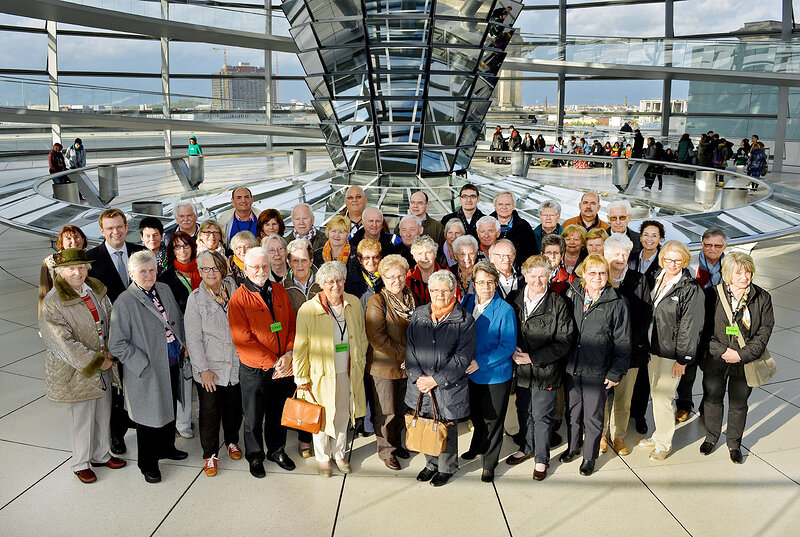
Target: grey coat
443	351
138	339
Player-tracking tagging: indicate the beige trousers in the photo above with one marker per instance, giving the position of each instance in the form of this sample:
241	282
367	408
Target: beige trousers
324	444
91	429
618	411
663	388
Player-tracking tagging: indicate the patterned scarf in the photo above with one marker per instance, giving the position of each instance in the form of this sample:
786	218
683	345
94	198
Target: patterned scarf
222	298
327	253
403	308
371	279
741	304
173	346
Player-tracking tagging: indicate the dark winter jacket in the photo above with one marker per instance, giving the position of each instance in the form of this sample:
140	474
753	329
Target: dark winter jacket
443	351
546	334
538	233
762	320
602	345
636	291
678	321
521	234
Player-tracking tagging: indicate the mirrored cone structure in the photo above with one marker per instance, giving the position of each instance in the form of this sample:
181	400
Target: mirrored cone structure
401	87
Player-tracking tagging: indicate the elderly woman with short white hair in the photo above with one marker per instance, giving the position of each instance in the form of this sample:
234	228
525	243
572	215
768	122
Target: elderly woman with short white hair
439	369
633	286
466	249
300	281
78	367
146	335
423	249
240	243
275	245
452	230
329	359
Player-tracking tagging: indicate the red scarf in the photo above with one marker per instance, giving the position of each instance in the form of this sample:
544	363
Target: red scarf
191	269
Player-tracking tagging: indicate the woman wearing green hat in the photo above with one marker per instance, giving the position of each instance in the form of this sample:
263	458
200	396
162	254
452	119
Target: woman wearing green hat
194	147
79	368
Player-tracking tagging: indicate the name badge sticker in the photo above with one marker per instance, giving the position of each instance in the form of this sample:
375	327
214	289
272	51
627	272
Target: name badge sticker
341	347
731	330
275	327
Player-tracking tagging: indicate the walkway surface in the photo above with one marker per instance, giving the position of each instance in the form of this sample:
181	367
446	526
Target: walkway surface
688	494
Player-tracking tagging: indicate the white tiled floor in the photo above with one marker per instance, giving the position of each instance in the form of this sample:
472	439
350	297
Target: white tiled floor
687	494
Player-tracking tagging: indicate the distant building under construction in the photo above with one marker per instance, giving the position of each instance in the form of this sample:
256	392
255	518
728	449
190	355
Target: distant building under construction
244	88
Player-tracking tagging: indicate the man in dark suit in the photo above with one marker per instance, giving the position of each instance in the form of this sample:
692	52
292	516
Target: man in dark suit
111	267
619	216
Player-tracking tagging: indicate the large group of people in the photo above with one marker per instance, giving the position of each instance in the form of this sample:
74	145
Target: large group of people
583	321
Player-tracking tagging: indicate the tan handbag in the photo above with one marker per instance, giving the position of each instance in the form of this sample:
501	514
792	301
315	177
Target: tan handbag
762	369
425	435
302	415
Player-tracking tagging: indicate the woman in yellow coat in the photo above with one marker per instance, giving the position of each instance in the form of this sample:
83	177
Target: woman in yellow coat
330	348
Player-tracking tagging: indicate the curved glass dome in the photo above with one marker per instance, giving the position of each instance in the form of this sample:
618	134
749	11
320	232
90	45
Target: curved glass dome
401	86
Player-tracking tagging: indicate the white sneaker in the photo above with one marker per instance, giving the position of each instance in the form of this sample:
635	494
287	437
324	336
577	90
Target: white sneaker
186	433
647	188
659	190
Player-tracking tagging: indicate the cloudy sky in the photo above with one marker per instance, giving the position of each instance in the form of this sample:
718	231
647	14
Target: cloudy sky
28	51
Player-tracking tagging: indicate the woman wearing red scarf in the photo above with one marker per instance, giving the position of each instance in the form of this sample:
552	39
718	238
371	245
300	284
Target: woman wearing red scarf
182	277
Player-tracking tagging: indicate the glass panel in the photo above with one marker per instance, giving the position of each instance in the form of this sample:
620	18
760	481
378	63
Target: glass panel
398	161
449	85
434	162
399	84
304	38
334	9
398	58
399	134
475	9
311	62
407	111
442	135
339	33
344	59
397	6
385	31
454	59
458	33
324	110
349	85
318	86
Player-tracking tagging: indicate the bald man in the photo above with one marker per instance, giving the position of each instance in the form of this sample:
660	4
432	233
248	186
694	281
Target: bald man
589	206
373	229
355	200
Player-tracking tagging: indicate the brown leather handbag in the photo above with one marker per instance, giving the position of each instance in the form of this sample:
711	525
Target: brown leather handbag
302	415
425	435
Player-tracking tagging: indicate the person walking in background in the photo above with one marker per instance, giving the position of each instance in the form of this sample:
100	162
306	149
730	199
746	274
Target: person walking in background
56	163
194	147
76	155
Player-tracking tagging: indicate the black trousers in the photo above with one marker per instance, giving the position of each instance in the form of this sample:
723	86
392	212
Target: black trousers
262	401
714	385
120	421
154	443
683	401
641	394
535	415
586	402
488	404
223	405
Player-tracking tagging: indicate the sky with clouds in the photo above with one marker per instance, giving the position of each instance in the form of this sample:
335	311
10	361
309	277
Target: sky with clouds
28	51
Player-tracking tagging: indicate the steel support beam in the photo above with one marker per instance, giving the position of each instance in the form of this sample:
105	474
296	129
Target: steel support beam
72	13
779	151
268	71
666	91
165	91
52	74
562	56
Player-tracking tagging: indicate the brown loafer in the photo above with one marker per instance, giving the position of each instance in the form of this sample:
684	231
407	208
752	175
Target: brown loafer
513	461
86	475
392	463
114	463
539	476
681	416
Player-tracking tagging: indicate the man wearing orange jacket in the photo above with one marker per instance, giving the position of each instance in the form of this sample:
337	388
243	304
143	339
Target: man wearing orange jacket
262	325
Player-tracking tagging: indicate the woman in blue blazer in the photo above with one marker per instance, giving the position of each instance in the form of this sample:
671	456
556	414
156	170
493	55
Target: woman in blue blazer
490	371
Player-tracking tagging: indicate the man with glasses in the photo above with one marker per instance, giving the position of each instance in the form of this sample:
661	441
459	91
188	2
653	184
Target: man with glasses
418	206
262	323
549	213
619	216
513	227
355	201
502	255
588	218
469	214
708	275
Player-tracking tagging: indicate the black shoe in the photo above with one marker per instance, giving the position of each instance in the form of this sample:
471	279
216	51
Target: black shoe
366	434
153	476
426	475
469	455
402	453
118	446
641	425
257	469
487	476
587	467
736	456
555	439
440	479
706	447
569	456
518	439
282	460
176	455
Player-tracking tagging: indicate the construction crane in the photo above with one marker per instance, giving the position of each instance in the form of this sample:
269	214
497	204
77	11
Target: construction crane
224	81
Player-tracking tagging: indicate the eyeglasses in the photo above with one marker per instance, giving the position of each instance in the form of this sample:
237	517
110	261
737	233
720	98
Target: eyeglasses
272	251
356	197
485	283
672	261
298	261
504	256
713	246
208	270
596	273
258	267
395	277
370	257
181	247
616	218
217	233
469	196
439	291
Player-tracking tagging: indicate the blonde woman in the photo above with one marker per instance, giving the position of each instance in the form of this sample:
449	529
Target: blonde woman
337	247
575	239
